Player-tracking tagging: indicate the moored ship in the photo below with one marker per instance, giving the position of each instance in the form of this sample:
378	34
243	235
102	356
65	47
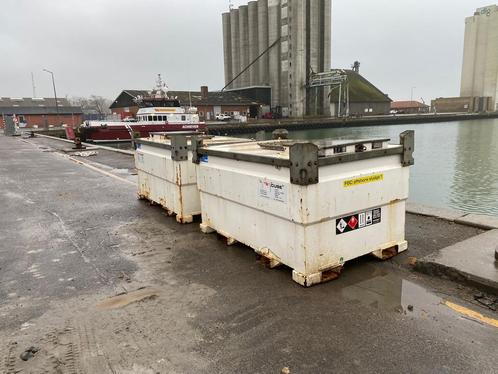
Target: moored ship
158	112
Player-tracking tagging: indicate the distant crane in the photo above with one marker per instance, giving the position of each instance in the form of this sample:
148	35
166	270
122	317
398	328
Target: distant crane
33	84
230	4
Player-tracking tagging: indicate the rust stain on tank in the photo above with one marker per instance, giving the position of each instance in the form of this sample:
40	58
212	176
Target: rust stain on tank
179	184
144	192
163	203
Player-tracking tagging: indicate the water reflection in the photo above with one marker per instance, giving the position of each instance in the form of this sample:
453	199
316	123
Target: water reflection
394	294
456	163
372	288
475	180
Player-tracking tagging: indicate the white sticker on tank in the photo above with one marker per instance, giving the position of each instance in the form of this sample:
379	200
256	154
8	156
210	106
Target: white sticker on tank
272	190
361	220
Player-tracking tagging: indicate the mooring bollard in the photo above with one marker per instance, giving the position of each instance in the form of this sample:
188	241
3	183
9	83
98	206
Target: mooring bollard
261	136
78	144
280	134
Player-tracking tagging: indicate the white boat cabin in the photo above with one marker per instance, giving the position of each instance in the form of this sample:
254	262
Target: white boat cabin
167	114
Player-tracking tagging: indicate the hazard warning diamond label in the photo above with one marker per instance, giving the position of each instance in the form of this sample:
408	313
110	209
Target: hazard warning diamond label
353	222
358	221
341	226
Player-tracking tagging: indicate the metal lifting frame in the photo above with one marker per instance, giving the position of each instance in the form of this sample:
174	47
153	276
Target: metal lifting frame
333	79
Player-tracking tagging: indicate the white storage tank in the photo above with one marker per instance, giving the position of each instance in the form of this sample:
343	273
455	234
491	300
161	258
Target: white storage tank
312	206
166	174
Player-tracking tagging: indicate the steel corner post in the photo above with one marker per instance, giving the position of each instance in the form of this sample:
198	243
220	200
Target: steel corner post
196	144
407	140
303	165
179	148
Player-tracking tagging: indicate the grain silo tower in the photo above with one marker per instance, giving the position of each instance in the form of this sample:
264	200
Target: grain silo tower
278	43
480	61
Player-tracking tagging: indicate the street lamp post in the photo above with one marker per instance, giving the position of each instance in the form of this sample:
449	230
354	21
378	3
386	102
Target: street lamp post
55	93
412	89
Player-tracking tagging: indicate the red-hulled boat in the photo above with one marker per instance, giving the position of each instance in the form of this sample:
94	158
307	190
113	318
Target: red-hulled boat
158	112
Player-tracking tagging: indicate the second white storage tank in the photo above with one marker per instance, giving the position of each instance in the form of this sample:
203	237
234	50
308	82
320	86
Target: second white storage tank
166	174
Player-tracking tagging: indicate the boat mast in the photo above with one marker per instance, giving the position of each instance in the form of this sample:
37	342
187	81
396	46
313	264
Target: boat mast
161	88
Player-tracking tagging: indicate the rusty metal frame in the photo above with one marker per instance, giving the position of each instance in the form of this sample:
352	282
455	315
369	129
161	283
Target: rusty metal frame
324	143
192	136
154	144
205	151
358	156
179	148
407	140
196	143
303	166
322	161
305	158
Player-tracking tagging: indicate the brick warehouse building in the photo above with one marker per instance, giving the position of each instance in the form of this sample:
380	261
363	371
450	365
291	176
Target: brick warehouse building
410	107
207	103
41	112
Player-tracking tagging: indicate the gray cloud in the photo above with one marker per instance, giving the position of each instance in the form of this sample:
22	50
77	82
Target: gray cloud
103	46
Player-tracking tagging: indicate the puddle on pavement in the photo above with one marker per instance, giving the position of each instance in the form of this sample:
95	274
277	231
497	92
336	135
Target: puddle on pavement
389	292
123	300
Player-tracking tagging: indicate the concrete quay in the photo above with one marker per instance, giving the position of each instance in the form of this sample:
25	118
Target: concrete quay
471	261
324	123
308	123
101	282
469	219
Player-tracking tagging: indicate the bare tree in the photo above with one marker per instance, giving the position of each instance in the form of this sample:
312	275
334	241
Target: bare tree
79	101
97	104
100	104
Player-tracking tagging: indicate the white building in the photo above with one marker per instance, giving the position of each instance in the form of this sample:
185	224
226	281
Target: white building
480	61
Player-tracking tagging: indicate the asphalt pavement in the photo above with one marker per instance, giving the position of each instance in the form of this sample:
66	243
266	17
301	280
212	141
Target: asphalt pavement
101	282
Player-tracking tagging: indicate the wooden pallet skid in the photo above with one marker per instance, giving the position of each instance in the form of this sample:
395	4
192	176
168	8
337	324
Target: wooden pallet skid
183	219
271	261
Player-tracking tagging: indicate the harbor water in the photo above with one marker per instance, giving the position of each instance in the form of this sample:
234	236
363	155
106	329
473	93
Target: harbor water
456	163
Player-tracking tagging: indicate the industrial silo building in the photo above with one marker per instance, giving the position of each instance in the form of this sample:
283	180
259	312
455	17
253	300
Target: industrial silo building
480	61
279	43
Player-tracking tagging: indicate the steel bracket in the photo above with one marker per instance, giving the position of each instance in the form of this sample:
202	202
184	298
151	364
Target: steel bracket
179	148
196	144
303	166
407	140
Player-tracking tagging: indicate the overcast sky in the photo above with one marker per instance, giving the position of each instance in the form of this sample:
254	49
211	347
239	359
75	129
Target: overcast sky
104	46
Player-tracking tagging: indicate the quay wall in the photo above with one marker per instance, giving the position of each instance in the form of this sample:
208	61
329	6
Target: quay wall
321	123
